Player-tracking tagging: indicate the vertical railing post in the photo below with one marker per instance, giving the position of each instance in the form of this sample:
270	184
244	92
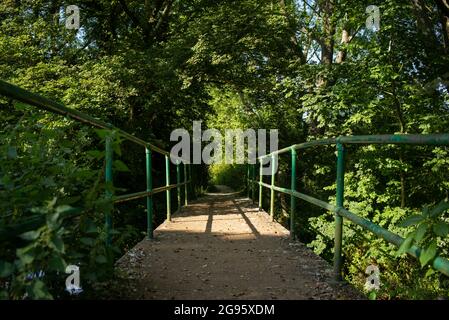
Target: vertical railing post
273	174
248	180
292	198
178	183
185	185
109	184
260	185
149	197
253	182
167	183
338	218
189	175
192	186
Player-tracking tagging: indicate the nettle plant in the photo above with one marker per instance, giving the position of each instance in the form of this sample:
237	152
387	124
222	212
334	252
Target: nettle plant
430	226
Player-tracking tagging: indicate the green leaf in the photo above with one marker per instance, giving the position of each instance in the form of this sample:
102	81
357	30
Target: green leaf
103	133
117	149
64	209
57	244
56	263
412	220
439	209
53	221
38	290
429	272
441	229
52	203
31	235
6	269
90	227
96	154
25	255
88	241
421	231
372	295
120	166
406	244
426	211
21	106
101	259
428	254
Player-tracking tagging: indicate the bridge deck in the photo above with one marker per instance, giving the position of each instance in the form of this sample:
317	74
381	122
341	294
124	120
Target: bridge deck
222	247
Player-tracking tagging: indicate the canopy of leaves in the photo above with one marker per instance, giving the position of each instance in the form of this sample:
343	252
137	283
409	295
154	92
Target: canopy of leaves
309	68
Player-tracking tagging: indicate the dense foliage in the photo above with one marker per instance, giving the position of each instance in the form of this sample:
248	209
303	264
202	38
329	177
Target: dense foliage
310	68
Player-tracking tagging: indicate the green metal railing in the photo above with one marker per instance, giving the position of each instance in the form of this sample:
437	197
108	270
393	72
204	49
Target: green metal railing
16	93
440	264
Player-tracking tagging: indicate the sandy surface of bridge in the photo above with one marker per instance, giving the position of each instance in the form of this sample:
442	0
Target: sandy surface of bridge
222	247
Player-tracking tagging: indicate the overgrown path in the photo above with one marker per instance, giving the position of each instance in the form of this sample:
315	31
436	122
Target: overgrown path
222	247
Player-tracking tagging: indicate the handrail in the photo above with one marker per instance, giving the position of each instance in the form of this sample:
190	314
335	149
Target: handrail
414	139
143	194
22	95
438	263
16	93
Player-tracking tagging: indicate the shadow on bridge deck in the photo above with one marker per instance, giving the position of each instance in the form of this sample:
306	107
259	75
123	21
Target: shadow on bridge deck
222	247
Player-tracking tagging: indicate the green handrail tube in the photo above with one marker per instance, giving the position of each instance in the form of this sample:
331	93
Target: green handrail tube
109	181
338	237
439	263
292	198
149	181
167	183
16	93
33	99
441	139
143	194
186	202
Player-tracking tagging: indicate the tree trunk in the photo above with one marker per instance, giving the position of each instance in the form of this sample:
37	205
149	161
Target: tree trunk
327	44
443	7
344	41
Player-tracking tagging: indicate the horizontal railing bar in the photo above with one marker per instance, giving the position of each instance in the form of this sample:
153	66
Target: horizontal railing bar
263	184
413	139
303	145
33	99
35	221
143	194
439	263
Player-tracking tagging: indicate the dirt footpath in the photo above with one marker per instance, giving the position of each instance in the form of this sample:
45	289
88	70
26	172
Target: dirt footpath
222	247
